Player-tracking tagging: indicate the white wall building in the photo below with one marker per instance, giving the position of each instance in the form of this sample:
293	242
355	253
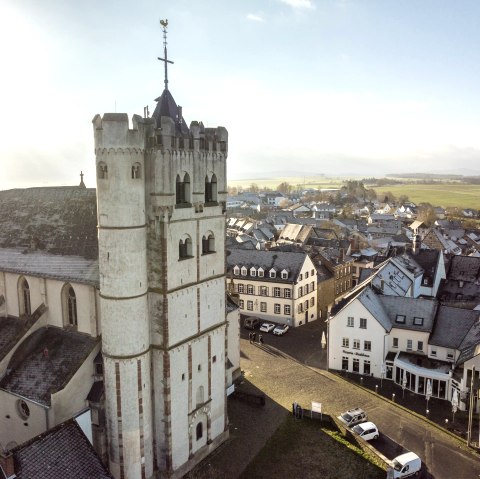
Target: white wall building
276	286
408	340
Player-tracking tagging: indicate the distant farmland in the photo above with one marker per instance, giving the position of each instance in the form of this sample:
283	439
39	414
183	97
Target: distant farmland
456	194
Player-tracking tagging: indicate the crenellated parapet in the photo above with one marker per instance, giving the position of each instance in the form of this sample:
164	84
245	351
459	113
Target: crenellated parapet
113	131
168	135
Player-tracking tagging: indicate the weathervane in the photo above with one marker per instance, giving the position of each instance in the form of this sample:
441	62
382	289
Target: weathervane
164	24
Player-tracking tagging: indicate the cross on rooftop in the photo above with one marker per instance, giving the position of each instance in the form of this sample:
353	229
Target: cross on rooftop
164	24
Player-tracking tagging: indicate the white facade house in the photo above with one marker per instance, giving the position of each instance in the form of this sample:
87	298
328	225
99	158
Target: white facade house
276	286
412	275
411	341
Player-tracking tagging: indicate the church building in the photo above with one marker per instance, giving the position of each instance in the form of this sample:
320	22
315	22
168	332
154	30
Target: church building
113	301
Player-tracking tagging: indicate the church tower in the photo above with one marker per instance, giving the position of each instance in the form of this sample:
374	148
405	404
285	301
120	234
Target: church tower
161	194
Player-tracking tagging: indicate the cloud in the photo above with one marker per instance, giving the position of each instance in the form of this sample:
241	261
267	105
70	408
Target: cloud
255	18
300	4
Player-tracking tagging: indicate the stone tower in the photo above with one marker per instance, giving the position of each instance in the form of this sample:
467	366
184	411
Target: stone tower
161	192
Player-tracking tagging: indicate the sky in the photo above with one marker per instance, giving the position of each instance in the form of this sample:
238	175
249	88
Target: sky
304	87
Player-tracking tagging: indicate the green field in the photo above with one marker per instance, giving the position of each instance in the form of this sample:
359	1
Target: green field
303	182
451	194
439	194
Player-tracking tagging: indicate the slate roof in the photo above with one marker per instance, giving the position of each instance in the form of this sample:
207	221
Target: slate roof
96	392
63	452
452	326
410	308
59	220
470	346
40	263
372	302
464	268
279	260
166	106
11	330
36	376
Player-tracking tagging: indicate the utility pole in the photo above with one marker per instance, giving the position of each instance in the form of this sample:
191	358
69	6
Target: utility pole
470	410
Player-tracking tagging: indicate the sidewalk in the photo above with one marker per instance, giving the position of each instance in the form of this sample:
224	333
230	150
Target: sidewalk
439	411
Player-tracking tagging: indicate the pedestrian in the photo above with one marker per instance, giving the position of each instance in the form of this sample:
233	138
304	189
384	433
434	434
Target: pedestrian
250	337
254	334
260	339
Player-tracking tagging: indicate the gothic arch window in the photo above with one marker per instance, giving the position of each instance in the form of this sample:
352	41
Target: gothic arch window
199	431
182	189
136	171
208	243
24	304
200	396
69	299
185	248
211	189
102	171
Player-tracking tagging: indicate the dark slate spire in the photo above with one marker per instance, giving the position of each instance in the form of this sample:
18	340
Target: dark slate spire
166	105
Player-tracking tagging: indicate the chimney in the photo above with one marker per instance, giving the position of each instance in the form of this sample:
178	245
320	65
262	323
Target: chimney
382	284
7	464
342	255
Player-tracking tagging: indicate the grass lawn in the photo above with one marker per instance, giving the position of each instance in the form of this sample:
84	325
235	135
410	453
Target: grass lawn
456	194
302	449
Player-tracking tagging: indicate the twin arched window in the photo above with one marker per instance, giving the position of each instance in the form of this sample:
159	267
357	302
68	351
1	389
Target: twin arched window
208	244
211	189
182	189
185	248
136	171
102	171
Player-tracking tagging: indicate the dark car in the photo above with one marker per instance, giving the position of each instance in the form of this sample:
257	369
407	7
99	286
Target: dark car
251	323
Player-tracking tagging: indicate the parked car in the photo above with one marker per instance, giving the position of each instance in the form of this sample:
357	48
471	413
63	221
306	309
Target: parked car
251	322
366	430
406	465
267	327
353	417
281	329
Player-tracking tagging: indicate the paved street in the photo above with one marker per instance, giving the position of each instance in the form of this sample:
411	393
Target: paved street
277	368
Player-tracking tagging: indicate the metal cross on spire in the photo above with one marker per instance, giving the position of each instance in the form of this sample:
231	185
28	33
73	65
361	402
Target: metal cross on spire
164	24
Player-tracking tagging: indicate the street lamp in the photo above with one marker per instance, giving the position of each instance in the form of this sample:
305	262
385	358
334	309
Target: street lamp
428	393
454	404
404	383
383	370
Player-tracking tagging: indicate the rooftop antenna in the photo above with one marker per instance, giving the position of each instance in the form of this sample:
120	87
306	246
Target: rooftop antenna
164	24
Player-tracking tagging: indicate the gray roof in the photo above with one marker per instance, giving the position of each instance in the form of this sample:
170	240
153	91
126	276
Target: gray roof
41	263
470	346
36	376
60	220
372	302
166	106
279	260
11	330
410	308
63	452
452	326
464	268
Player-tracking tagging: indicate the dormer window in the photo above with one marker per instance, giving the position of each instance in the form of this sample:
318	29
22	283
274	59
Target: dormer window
400	318
244	271
260	272
284	274
253	272
418	321
236	270
273	273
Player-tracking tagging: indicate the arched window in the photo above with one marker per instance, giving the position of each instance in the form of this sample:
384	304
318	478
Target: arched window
102	171
136	171
25	307
185	248
69	306
182	189
211	190
200	396
199	431
208	244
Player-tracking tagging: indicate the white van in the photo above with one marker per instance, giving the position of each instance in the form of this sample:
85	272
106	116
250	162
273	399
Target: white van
406	465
